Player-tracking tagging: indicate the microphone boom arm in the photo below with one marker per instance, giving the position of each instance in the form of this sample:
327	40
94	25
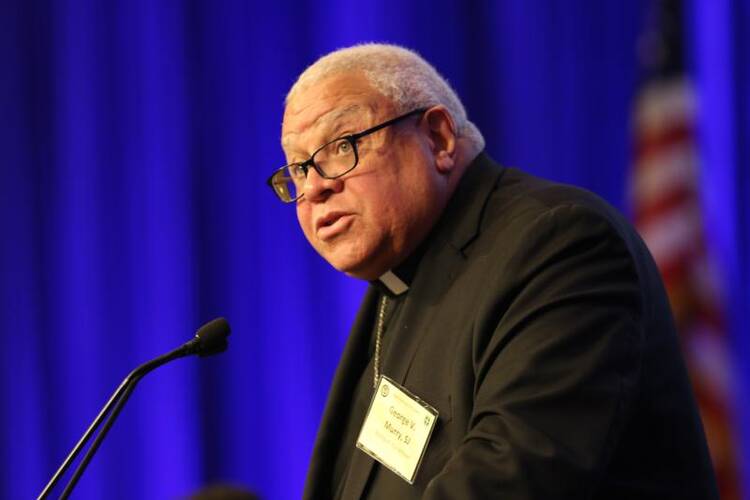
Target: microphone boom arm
210	339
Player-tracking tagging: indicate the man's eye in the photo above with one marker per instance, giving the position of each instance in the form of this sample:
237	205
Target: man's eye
344	148
297	171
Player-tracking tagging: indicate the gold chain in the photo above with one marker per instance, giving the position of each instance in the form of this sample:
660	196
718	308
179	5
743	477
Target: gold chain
378	336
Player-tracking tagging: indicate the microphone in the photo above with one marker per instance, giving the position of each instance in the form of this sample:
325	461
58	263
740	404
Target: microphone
210	339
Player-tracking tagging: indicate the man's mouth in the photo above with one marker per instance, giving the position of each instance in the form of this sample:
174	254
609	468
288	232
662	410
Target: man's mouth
332	224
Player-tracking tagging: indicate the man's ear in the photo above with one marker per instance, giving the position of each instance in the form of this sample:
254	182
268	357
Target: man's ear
441	131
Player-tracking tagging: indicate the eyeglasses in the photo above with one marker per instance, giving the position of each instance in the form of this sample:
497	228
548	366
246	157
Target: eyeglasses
330	161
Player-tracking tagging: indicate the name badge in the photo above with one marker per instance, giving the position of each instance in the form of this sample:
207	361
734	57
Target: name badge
397	429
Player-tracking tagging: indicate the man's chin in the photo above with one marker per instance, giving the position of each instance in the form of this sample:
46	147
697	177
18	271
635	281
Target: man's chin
357	272
359	269
358	260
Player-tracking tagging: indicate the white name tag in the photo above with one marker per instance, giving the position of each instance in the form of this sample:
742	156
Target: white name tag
397	429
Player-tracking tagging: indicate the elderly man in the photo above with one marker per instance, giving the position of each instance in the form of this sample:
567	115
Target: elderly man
516	341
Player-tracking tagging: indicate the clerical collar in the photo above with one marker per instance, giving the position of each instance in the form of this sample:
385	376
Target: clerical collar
393	284
396	282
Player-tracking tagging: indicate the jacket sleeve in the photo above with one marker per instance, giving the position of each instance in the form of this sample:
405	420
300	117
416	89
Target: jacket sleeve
556	363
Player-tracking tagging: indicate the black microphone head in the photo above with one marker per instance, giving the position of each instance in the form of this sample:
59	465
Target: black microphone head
212	337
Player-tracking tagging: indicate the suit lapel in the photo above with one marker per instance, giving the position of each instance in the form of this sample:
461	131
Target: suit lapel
355	357
458	227
359	472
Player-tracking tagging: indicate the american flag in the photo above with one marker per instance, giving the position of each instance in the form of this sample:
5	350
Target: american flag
665	200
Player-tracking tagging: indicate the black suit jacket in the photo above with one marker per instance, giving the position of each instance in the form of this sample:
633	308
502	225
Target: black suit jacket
537	325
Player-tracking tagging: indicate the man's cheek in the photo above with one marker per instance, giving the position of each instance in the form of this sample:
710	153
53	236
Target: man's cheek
305	221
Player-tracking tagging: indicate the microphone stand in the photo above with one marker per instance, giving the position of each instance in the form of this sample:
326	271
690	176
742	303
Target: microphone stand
99	438
84	439
116	402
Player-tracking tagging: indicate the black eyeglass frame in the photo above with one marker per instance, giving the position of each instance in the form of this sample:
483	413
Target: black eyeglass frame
351	139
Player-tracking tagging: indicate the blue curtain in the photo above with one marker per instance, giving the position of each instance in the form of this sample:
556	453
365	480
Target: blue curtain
135	139
719	46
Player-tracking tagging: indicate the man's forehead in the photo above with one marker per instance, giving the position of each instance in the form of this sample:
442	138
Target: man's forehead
323	120
339	97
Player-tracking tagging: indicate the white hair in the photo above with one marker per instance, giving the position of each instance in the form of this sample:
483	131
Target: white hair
400	74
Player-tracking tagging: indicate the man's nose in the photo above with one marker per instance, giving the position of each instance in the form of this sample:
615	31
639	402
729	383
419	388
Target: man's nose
318	188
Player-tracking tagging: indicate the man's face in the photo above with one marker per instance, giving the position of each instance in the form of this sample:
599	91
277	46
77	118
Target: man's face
371	219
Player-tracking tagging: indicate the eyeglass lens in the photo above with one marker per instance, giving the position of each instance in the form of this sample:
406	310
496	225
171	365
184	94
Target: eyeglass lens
333	160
